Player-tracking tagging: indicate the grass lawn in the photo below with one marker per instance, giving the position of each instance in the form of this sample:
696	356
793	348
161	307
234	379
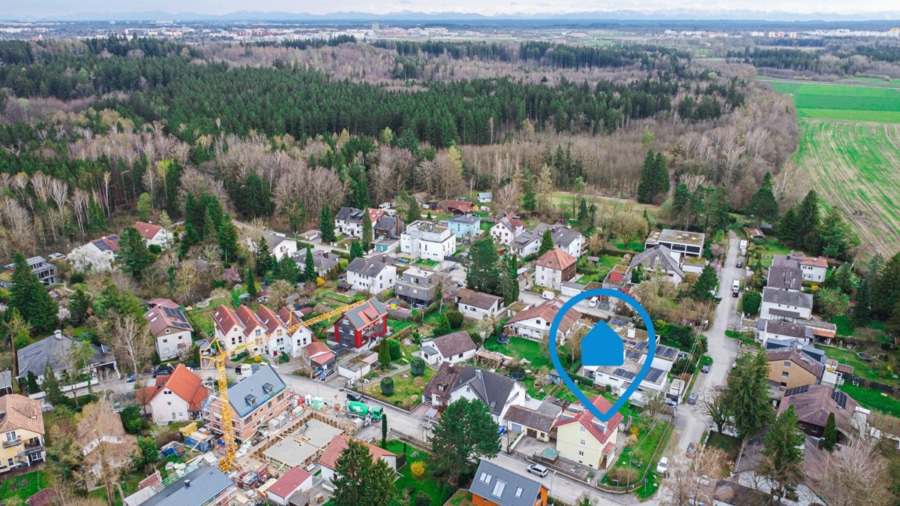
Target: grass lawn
461	498
598	273
728	444
407	391
201	318
438	492
875	370
398	325
520	348
638	457
843	325
744	337
768	249
873	399
426	263
24	486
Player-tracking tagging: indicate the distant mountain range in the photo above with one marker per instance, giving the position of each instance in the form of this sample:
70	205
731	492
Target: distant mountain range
411	16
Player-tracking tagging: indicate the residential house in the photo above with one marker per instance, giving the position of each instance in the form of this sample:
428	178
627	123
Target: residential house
424	239
497	486
584	439
453	382
417	287
301	336
205	485
102	438
657	262
465	227
6	385
526	244
832	372
328	461
554	268
813	404
171	332
361	326
325	261
388	227
96	256
177	397
55	350
507	229
782	329
22	429
785	274
534	323
814	269
253	401
534	423
477	305
154	234
485	197
258	332
564	238
277	342
295	480
44	270
357	367
321	358
162	302
280	245
229	329
373	275
349	220
790	368
785	305
454	347
678	241
458	207
387	245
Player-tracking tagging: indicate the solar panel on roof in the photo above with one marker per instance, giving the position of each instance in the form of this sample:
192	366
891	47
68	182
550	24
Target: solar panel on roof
618	321
796	390
840	398
632	355
654	375
622	373
102	245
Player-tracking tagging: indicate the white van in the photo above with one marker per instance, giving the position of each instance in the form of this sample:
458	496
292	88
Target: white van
548	295
593	301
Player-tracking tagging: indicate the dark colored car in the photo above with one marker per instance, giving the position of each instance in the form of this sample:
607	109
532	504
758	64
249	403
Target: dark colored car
355	397
740	264
705	368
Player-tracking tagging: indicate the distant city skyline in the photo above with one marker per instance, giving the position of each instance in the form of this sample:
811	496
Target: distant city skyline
53	9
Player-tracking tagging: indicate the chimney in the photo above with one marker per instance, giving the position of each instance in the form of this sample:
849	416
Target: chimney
57	334
630	330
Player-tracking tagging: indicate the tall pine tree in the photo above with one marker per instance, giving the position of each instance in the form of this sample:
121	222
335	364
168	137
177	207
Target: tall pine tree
648	187
228	239
31	298
263	257
133	253
367	232
763	205
326	225
309	266
546	242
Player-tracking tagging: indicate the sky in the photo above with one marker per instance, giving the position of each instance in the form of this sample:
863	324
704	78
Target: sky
63	8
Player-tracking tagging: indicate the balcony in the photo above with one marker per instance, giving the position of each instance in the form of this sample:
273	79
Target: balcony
14	442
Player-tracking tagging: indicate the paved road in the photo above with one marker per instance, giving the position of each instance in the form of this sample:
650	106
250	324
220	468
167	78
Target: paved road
693	420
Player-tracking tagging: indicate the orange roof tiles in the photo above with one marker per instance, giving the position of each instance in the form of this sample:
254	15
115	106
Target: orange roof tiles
556	259
21	413
147	230
182	383
586	419
340	443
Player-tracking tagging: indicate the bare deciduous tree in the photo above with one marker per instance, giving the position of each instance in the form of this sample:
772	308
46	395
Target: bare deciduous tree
854	475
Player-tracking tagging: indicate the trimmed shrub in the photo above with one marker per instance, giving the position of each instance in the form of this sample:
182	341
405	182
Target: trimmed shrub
456	319
417	366
387	386
394	347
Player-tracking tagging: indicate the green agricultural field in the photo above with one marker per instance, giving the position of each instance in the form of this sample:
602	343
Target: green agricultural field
880	104
854	166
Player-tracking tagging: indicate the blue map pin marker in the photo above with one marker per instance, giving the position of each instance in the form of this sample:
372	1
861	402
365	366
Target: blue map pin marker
594	351
602	347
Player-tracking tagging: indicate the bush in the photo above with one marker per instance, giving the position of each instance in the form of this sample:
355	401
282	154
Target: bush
284	358
387	386
623	475
132	420
418	469
752	301
417	366
394	347
683	365
423	499
455	318
155	249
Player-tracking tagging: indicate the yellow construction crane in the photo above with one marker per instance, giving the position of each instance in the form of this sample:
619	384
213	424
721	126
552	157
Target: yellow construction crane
227	462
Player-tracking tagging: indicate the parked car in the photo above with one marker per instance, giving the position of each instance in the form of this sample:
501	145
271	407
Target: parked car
692	399
130	379
705	368
740	264
538	470
355	397
593	301
663	465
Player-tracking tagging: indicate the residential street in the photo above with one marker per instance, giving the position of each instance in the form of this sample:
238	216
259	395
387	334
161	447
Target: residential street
693	420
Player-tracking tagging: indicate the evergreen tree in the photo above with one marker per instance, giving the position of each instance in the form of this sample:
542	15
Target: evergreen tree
886	290
214	213
442	327
583	216
263	257
96	218
50	386
367	232
483	273
747	393
648	187
194	215
80	306
189	239
637	274
529	198
288	271
133	253
681	203
384	353
384	431
362	479
836	236
661	173
29	296
830	435
862	312
251	284
32	383
787	227
413	213
707	284
326	225
144	206
511	280
751	303
309	267
228	239
808	221
356	250
546	243
763	205
465	434
782	458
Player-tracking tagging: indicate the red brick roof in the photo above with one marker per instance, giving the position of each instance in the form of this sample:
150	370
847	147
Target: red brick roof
225	319
556	259
160	320
161	302
249	319
147	230
288	317
340	443
460	205
21	413
318	352
288	483
270	320
813	261
585	418
182	383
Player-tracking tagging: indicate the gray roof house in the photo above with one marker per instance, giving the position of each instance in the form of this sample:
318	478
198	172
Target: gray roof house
785	304
204	485
55	350
785	273
417	287
388	227
453	347
505	488
324	261
260	386
660	260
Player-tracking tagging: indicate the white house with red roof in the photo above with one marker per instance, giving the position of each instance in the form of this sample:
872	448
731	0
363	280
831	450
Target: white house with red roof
534	323
295	480
814	269
583	438
154	234
301	336
321	358
98	255
175	398
263	331
336	447
507	229
554	268
349	220
171	331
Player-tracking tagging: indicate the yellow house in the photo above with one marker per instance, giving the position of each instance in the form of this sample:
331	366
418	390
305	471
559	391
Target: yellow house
791	369
21	431
584	439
